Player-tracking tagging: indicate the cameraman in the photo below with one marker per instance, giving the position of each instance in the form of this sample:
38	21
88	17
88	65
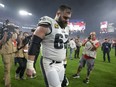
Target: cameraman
7	50
88	56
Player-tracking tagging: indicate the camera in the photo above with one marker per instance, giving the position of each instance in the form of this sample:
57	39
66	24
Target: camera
89	37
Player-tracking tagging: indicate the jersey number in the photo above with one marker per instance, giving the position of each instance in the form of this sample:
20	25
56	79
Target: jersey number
58	42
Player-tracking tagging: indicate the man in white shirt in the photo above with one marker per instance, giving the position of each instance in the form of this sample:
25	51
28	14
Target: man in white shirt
88	56
72	47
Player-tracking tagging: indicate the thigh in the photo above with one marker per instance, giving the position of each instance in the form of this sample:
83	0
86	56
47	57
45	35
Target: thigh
21	62
53	74
7	62
90	63
82	61
7	58
60	70
24	62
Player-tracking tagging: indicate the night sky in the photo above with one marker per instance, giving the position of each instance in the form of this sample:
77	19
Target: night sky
91	11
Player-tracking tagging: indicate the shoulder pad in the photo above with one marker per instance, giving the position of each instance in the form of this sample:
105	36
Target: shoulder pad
45	20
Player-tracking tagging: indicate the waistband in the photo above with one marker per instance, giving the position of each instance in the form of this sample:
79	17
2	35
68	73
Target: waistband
53	61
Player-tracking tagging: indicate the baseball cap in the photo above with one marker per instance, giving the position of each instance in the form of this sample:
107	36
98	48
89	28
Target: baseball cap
92	33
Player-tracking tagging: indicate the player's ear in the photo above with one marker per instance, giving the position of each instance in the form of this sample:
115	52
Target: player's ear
58	13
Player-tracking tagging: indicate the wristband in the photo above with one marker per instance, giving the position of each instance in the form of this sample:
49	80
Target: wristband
30	64
25	51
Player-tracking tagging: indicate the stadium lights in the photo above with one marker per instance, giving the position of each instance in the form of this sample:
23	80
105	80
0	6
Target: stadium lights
24	13
2	5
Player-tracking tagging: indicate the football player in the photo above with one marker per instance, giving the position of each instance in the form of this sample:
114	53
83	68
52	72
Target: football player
52	34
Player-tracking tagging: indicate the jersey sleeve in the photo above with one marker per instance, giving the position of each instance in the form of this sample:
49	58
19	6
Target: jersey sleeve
84	40
45	20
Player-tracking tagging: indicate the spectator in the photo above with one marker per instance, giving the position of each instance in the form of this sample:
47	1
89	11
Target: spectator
88	56
72	47
78	46
106	48
8	48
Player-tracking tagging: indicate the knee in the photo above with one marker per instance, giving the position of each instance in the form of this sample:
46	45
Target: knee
55	86
53	79
7	68
22	66
80	67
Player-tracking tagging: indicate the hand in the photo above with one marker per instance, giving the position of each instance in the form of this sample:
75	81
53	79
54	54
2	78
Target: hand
89	37
29	72
30	68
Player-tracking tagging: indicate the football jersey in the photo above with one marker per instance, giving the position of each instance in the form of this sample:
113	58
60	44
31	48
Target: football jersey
88	47
53	45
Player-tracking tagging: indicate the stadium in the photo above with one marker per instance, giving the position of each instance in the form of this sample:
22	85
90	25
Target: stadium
88	16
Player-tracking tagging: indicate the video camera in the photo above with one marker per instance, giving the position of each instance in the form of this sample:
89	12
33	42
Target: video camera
10	27
7	27
89	37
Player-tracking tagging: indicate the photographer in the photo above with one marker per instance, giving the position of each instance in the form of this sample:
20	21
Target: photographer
88	56
8	47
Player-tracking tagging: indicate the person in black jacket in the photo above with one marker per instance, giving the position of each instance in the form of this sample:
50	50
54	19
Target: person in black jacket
106	47
114	45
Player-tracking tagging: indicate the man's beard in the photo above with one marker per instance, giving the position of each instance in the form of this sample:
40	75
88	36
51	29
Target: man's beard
61	23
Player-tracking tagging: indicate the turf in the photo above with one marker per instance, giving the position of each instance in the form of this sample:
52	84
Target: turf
103	75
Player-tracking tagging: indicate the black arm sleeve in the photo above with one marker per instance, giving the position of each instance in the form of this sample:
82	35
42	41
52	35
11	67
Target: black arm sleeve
35	45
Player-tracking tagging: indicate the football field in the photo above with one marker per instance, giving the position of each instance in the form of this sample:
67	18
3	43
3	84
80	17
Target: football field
103	75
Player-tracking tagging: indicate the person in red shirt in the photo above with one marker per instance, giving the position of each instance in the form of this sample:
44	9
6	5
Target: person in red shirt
88	56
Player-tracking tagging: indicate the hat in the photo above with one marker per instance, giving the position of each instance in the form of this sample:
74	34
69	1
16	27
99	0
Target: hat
92	33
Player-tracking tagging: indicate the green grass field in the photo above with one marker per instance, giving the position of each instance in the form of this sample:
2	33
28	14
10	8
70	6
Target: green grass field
103	75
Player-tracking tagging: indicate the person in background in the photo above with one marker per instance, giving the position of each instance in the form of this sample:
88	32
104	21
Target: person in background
78	46
17	42
7	50
106	48
88	56
21	56
72	46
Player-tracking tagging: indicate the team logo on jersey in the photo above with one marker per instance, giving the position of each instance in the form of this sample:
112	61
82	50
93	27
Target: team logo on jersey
56	25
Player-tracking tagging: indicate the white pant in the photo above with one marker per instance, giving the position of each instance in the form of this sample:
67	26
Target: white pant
53	72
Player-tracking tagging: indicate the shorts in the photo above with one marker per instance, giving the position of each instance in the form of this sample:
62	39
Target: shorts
88	62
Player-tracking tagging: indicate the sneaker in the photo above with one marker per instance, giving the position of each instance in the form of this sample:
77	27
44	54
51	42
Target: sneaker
86	81
67	82
22	78
16	76
76	76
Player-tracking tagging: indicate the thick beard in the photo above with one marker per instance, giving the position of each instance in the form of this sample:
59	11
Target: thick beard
61	23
